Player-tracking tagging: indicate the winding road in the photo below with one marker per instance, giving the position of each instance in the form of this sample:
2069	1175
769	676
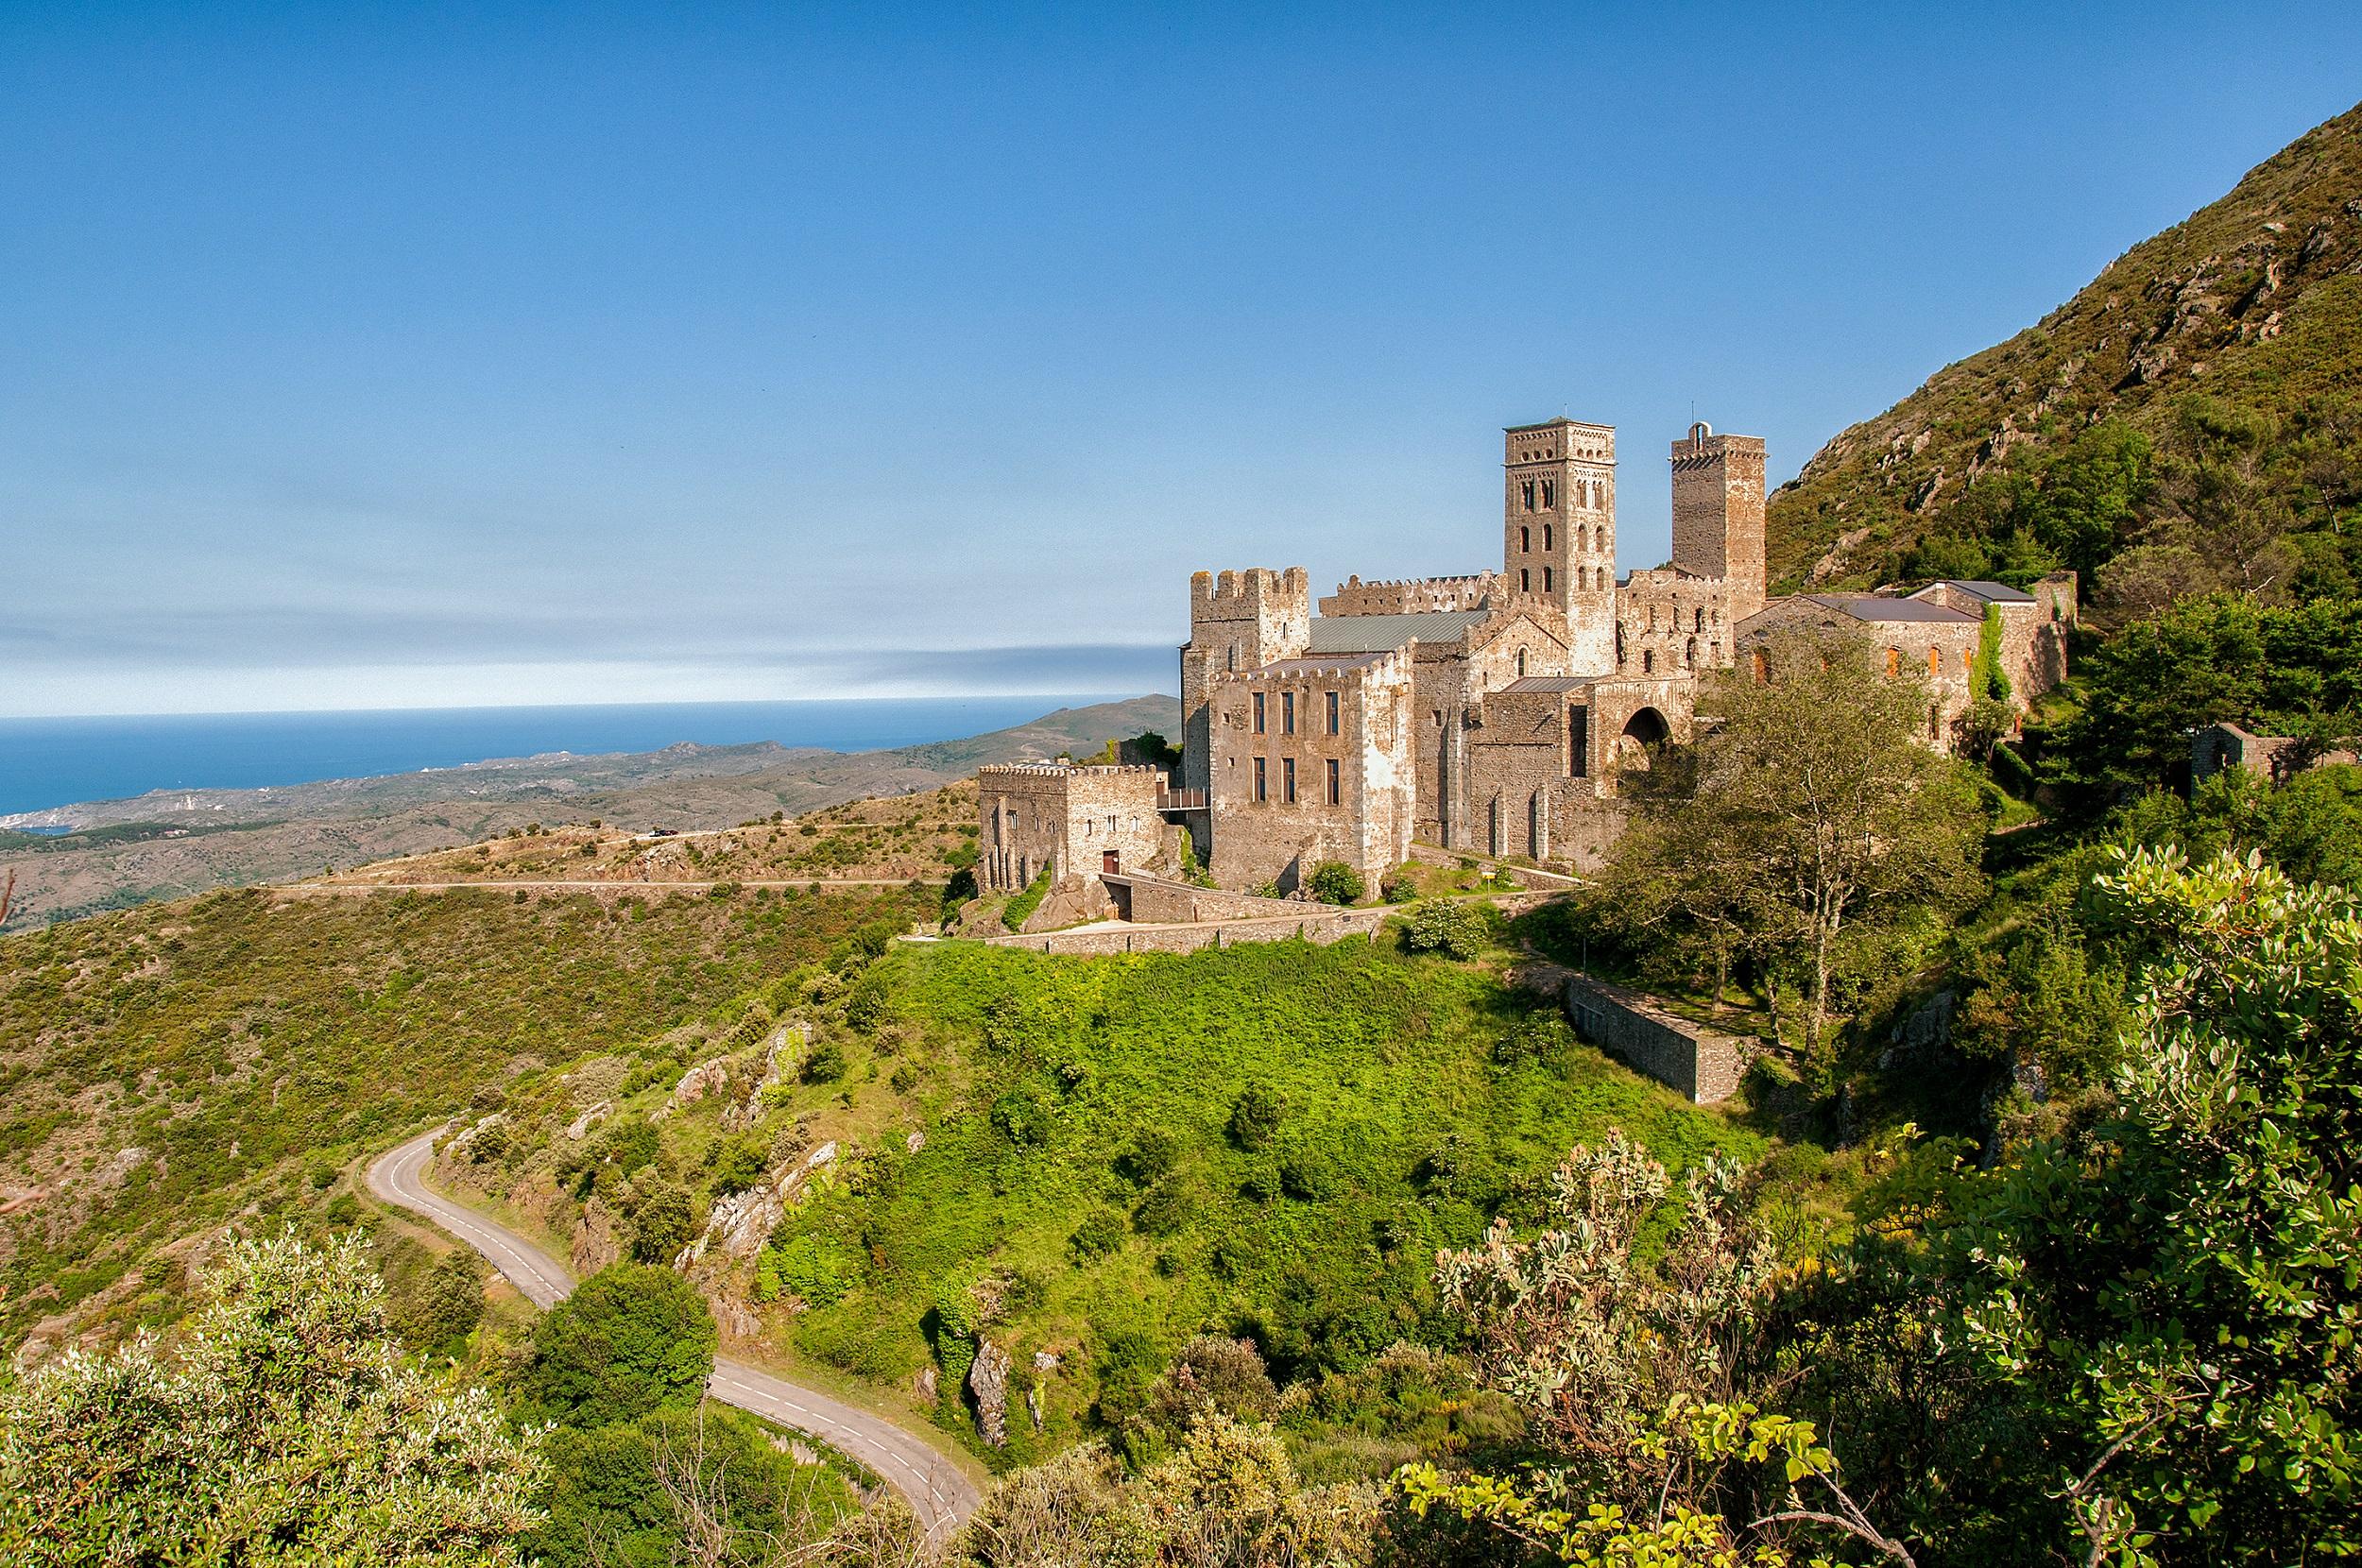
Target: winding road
938	1493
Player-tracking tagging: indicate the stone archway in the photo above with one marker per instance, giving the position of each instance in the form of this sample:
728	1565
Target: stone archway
1643	733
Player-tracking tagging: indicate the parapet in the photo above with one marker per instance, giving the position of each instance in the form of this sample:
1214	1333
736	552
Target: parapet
1240	595
1703	445
1557	439
1065	769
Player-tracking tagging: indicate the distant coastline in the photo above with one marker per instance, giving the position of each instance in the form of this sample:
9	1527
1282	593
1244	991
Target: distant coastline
50	764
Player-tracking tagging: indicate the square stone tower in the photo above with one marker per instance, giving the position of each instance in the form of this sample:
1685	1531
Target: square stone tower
1558	530
1718	513
1238	622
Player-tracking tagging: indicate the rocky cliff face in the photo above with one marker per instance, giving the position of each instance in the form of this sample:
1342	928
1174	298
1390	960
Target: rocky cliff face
2260	292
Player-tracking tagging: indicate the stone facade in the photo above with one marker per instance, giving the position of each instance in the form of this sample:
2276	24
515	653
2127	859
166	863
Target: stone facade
1490	712
1072	821
1311	761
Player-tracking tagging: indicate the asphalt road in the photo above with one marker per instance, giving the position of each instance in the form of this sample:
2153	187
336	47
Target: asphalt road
940	1495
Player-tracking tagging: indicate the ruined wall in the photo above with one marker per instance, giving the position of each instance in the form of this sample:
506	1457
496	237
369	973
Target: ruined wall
1702	1063
1368	823
1237	622
1520	769
1671	620
1416	595
1154	901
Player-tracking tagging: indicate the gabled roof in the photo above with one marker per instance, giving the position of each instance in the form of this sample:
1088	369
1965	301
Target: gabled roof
1878	609
1364	634
1322	663
1549	683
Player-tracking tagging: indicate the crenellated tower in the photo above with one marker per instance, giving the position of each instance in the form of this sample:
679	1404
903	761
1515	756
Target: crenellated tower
1718	513
1238	621
1558	528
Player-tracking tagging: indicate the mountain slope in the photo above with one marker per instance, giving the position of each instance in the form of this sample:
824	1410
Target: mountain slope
2232	341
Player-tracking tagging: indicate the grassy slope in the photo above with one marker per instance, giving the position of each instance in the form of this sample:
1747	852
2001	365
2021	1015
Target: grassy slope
2251	300
238	1045
1400	1134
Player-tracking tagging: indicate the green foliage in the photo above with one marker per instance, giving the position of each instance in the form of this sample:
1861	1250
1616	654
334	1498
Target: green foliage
1335	882
449	1305
630	1340
1256	1116
1099	1235
738	1163
284	1426
815	1270
1022	908
825	1064
2279	670
662	1223
238	1040
1447	927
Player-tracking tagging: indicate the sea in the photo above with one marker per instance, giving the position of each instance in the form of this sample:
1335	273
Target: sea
46	762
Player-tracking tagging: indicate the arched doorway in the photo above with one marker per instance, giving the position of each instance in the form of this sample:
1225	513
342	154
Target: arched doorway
1644	732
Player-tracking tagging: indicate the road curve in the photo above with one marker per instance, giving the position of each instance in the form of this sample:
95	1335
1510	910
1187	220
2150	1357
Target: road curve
939	1494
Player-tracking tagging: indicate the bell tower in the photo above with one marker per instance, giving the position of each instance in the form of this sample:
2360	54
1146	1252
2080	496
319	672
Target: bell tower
1718	513
1558	530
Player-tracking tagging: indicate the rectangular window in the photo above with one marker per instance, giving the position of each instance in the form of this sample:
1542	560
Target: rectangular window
1546	536
1288	779
1259	792
1336	785
1578	742
1332	714
1258	713
1287	713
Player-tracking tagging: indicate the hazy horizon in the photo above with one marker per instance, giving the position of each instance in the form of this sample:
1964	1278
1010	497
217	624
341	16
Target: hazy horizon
539	357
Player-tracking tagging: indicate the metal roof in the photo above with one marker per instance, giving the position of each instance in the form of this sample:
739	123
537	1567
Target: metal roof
1878	608
1999	593
1364	634
1549	683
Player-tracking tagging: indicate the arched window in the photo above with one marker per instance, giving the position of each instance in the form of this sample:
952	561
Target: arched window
1521	662
1549	494
1525	581
1525	494
1546	586
1524	541
1699	624
1762	667
1935	663
1234	657
1689	654
1648	661
1546	536
1599	539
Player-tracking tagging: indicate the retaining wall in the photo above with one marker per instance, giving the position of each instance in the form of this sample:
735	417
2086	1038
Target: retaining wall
1700	1062
1316	924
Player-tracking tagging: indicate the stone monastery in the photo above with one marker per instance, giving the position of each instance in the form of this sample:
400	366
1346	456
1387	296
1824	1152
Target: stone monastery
1486	714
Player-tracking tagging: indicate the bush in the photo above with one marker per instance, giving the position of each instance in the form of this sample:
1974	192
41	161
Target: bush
1254	1117
1335	882
1165	1208
738	1163
1450	927
1099	1235
450	1303
630	1340
1152	1157
1022	1116
1021	907
662	1223
817	1269
826	1064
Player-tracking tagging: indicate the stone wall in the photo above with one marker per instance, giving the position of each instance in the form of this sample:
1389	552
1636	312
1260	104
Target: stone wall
1237	622
1670	621
1415	595
1718	515
1317	923
1152	900
1702	1063
1275	720
1070	819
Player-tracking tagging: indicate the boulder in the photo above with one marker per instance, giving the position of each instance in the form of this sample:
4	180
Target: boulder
580	1127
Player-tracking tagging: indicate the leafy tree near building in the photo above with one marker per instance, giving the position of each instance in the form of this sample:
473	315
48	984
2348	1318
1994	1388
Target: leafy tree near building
630	1340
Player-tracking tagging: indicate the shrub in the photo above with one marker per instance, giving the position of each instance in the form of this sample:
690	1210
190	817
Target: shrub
1254	1117
1021	907
817	1269
1022	1116
738	1163
662	1223
1099	1235
1165	1208
1335	882
825	1064
1152	1157
450	1302
630	1340
1446	927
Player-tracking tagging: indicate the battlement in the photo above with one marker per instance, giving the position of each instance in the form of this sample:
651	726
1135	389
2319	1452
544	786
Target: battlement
1413	595
1702	446
1557	441
1243	595
1065	769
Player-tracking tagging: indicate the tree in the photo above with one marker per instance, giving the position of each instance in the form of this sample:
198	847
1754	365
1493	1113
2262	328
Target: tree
283	1425
630	1340
1335	882
1805	818
450	1302
662	1223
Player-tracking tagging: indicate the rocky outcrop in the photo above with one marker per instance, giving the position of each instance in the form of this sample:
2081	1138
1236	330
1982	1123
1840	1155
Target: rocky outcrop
782	1054
580	1127
988	1380
743	1221
595	1241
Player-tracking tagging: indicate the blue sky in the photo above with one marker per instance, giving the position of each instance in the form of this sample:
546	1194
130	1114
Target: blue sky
434	354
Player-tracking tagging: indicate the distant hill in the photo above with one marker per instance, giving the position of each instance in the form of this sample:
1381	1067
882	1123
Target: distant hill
169	845
2194	409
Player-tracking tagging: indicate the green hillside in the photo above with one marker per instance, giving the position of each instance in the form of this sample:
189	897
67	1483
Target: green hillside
2189	421
166	1069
